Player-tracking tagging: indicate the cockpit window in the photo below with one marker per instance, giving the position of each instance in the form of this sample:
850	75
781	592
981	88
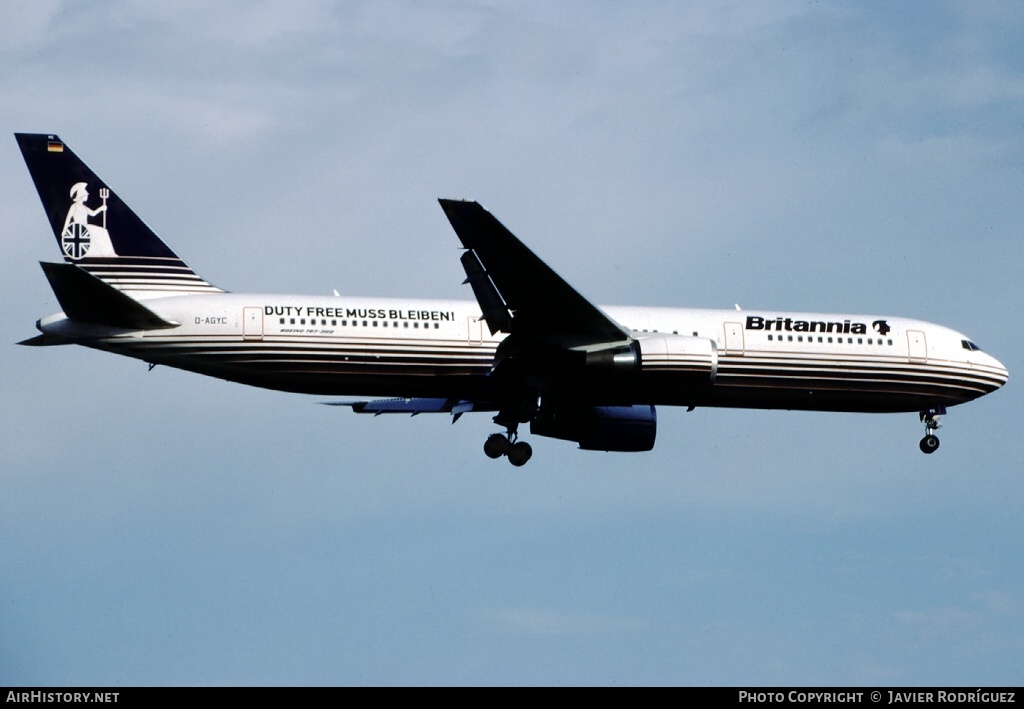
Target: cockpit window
968	345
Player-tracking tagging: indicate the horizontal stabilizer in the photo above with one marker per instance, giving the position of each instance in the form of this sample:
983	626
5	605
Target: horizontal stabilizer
85	297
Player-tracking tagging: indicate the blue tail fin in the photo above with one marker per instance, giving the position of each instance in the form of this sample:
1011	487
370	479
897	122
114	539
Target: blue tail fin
98	232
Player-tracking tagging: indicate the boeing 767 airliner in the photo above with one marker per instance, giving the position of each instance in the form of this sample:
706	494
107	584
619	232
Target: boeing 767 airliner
530	349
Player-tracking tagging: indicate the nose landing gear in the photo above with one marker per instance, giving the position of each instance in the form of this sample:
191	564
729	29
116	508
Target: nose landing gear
930	442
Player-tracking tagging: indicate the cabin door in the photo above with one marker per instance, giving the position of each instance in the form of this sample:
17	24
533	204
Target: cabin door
252	323
733	338
918	346
475	330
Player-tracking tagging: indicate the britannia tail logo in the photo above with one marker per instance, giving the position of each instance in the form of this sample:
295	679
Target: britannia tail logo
79	238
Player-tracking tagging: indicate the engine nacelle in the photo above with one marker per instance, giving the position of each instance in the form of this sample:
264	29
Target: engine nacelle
619	358
679	355
626	429
692	358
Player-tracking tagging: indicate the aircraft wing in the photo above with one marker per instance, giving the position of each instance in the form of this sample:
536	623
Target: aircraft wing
519	293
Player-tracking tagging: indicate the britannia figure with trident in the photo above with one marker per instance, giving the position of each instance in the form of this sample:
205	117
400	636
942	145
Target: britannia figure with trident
80	238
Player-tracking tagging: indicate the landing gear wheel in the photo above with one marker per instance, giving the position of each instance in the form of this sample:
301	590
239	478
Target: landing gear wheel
929	444
520	453
508	444
496	446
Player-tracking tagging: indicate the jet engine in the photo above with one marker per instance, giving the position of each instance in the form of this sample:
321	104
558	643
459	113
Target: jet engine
600	428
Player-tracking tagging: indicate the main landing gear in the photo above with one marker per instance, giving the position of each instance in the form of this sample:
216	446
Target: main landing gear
518	452
930	442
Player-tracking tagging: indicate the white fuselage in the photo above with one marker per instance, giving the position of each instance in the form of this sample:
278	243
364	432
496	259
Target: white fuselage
691	357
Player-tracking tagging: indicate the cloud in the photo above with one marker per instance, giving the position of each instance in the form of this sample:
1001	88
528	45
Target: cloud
940	622
998	603
988	609
256	24
27	22
539	621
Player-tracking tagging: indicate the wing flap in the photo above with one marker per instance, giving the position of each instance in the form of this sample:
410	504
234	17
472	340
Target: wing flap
494	309
412	406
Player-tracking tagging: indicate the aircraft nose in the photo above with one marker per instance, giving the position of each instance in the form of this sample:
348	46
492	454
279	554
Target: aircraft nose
1003	371
997	373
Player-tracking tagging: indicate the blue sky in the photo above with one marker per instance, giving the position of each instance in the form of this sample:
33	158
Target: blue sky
164	528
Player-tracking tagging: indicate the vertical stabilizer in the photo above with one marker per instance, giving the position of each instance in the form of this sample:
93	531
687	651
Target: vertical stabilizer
98	232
